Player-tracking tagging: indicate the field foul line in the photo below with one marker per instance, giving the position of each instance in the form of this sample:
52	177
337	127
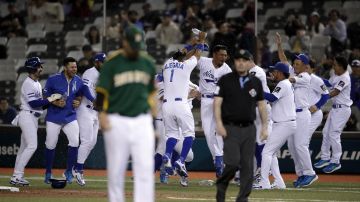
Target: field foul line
324	190
252	199
42	178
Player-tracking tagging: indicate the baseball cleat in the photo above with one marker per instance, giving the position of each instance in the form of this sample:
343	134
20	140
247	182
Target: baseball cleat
297	182
68	175
180	168
308	180
167	165
275	186
48	178
332	167
184	181
259	187
19	181
79	176
321	163
236	181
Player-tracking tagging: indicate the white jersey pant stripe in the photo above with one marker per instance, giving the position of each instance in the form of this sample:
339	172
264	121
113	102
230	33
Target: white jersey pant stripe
71	131
333	128
299	144
29	126
161	144
215	142
280	133
130	136
88	126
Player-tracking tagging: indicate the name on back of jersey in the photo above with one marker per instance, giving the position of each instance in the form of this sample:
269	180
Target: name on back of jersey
174	65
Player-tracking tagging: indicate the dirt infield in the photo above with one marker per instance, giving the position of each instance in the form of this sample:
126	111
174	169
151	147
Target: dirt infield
193	175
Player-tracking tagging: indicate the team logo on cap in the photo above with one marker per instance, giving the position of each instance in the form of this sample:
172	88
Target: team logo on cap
252	92
138	37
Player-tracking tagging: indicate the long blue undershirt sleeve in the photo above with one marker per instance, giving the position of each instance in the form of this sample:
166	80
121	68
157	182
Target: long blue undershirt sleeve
86	92
270	97
324	98
38	103
327	83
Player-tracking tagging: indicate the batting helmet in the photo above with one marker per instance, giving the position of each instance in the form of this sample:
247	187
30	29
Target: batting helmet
99	57
33	63
57	184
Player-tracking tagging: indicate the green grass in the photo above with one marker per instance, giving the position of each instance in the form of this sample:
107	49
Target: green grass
95	191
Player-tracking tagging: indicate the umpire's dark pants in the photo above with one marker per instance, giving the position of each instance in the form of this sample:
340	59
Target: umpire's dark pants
239	149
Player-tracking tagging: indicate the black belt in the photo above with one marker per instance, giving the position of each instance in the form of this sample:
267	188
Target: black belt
207	96
36	114
284	121
176	99
242	124
158	119
335	106
91	107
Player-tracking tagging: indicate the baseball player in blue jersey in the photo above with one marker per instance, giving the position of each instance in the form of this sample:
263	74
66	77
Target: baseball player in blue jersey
87	118
31	109
61	115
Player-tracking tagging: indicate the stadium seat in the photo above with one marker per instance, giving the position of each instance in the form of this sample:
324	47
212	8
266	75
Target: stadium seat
138	8
53	27
159	5
292	5
16	41
3	41
234	13
318	45
34	34
173	47
73	34
274	12
75	54
351	4
35	27
76	41
36	48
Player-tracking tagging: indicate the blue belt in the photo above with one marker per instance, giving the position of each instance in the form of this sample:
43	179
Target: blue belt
335	106
176	99
36	114
299	110
207	96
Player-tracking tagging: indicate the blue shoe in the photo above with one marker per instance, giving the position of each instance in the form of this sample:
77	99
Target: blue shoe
68	175
48	177
164	176
308	180
321	163
332	167
297	182
167	165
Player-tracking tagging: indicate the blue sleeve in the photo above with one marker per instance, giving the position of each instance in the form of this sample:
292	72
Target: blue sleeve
327	83
86	92
324	98
38	103
270	97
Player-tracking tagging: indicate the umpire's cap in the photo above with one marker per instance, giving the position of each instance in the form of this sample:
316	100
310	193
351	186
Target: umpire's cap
57	184
244	54
281	67
99	57
33	63
135	37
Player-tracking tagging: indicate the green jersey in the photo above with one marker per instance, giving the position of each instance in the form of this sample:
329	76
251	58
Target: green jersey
127	84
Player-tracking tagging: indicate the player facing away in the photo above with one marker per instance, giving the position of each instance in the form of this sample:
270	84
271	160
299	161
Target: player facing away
283	116
338	116
160	127
176	111
87	118
125	95
298	144
32	104
61	115
211	70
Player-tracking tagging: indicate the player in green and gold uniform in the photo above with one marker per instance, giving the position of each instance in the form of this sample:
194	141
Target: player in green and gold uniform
125	97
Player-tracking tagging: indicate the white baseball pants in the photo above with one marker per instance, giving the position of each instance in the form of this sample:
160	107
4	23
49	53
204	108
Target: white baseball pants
28	143
280	133
130	136
333	128
315	121
161	144
258	124
214	142
71	131
298	144
88	126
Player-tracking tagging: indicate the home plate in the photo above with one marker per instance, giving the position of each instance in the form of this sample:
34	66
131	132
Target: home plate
12	189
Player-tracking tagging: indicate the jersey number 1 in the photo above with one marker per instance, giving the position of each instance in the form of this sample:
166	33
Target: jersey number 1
172	74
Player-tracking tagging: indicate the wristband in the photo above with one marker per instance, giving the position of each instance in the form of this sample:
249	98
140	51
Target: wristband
200	47
188	47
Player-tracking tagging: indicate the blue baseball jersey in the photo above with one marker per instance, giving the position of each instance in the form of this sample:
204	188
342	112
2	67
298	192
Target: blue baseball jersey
58	83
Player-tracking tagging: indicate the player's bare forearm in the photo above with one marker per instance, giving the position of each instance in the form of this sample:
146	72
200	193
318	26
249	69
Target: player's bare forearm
153	102
263	113
217	112
281	52
334	93
104	121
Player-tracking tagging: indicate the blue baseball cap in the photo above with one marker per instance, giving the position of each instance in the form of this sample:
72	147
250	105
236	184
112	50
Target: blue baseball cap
303	58
281	67
33	63
99	57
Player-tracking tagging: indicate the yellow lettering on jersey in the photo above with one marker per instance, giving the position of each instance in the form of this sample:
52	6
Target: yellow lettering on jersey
129	77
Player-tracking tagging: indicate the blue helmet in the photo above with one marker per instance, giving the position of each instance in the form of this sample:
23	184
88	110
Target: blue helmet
99	57
33	63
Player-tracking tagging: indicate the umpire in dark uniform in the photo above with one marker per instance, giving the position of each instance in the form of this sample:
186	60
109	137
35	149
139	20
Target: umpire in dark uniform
236	98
